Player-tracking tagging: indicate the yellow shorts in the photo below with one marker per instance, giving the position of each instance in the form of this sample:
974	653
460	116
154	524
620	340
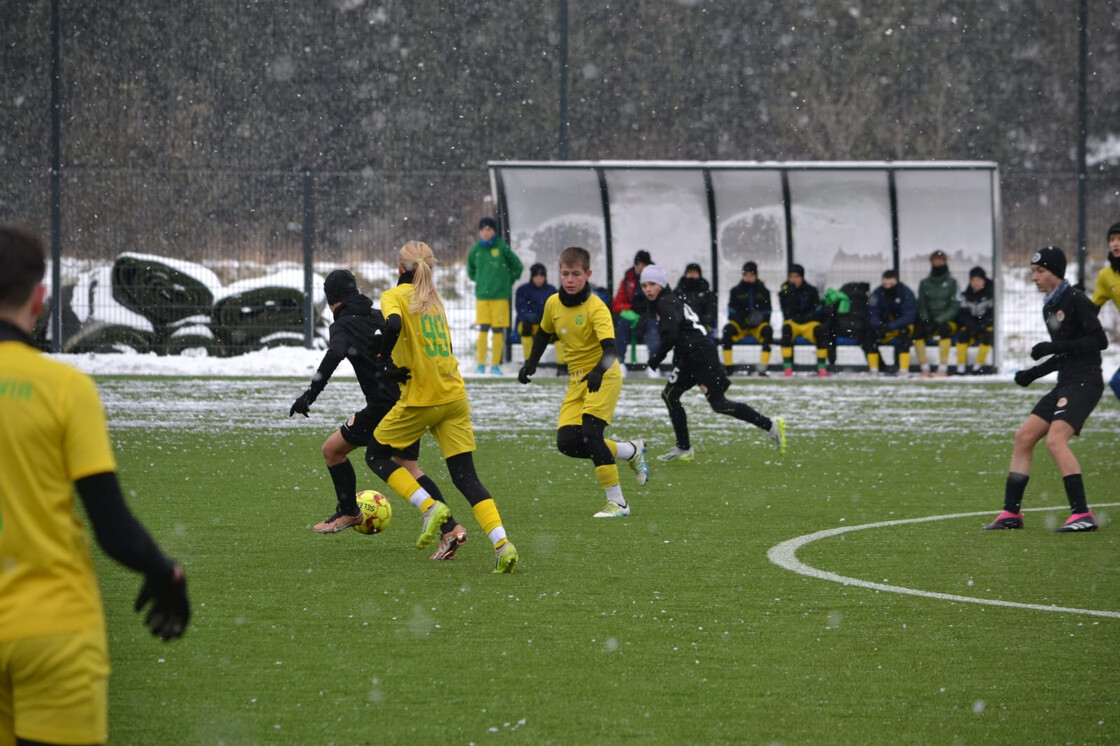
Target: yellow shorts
579	401
449	424
741	333
54	688
808	330
492	313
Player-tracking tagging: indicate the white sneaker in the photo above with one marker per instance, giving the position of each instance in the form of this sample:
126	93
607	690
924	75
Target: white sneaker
638	462
653	373
676	454
778	434
613	510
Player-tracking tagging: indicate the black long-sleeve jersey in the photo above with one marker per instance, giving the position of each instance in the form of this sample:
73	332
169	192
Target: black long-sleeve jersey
681	329
354	336
1071	319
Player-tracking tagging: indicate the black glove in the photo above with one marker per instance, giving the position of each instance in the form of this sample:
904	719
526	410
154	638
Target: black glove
302	404
1042	349
1025	377
655	362
528	370
171	610
385	372
594	379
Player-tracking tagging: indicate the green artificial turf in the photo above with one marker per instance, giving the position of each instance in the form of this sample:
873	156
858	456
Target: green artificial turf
670	626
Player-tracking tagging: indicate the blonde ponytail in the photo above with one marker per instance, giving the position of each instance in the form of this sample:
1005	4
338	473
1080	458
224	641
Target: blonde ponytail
417	257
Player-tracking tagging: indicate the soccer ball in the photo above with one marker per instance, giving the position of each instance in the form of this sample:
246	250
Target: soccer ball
376	512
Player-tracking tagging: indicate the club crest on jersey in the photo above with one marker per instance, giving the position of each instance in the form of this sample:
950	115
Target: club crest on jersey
1062	402
579	319
1060	315
495	252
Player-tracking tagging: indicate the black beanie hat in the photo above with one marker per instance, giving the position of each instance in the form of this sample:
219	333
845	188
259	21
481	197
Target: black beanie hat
694	266
642	257
977	272
797	269
1113	229
488	223
750	267
537	269
340	285
1051	258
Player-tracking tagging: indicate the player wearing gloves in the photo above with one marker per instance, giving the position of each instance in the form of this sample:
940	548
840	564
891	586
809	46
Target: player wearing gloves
355	335
1076	341
695	362
583	323
54	659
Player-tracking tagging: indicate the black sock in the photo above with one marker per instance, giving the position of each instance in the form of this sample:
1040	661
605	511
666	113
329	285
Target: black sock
345	485
1013	492
430	487
1075	492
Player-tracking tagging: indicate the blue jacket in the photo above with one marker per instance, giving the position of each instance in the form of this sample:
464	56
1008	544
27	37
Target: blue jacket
529	301
896	308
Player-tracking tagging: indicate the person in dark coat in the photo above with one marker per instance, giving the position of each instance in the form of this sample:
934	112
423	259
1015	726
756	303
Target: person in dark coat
697	294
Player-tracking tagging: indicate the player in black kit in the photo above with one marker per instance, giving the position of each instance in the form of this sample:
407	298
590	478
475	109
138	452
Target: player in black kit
695	362
1074	349
354	336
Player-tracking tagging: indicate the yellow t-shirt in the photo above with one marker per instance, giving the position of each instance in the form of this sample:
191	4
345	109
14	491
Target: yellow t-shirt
1108	287
424	347
52	432
581	330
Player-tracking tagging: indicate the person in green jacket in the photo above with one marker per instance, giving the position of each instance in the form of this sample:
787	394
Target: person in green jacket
938	306
493	267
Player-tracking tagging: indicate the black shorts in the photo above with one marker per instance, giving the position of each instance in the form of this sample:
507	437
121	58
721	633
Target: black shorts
700	366
1069	402
358	431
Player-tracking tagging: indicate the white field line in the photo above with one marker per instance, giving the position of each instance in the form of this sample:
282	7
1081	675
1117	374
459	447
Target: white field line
785	555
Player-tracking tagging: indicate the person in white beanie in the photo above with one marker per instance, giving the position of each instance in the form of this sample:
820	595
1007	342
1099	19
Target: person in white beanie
695	362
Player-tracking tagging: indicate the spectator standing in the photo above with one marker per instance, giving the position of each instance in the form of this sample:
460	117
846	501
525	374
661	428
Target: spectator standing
493	267
748	310
938	306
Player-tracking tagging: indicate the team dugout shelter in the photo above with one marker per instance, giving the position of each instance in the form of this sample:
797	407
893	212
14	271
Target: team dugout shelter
842	221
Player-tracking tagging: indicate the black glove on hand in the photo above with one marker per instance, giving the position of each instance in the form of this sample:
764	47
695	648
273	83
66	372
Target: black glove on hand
171	610
528	370
1024	377
594	379
655	362
1042	349
302	404
385	372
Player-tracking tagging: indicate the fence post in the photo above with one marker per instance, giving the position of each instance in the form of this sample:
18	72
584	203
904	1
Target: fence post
55	320
308	254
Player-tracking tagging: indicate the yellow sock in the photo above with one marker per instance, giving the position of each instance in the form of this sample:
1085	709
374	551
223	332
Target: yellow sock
527	346
822	357
873	360
481	357
764	358
982	355
403	483
613	445
920	350
607	474
486	513
727	358
903	361
962	353
498	348
787	357
943	351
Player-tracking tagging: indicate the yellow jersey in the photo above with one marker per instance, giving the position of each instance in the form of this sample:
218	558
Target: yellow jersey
424	347
52	433
581	330
1107	288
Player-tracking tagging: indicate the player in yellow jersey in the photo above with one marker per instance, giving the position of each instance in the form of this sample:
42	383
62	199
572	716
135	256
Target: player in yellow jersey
433	400
583	323
1108	288
54	660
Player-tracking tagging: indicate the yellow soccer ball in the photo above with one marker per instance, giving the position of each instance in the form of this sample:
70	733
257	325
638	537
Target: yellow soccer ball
376	512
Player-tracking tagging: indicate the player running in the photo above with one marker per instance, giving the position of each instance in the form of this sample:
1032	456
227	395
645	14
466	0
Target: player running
695	362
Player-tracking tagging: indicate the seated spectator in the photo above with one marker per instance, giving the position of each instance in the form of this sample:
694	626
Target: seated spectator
748	311
802	312
697	294
632	319
976	321
937	314
529	305
845	315
891	315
